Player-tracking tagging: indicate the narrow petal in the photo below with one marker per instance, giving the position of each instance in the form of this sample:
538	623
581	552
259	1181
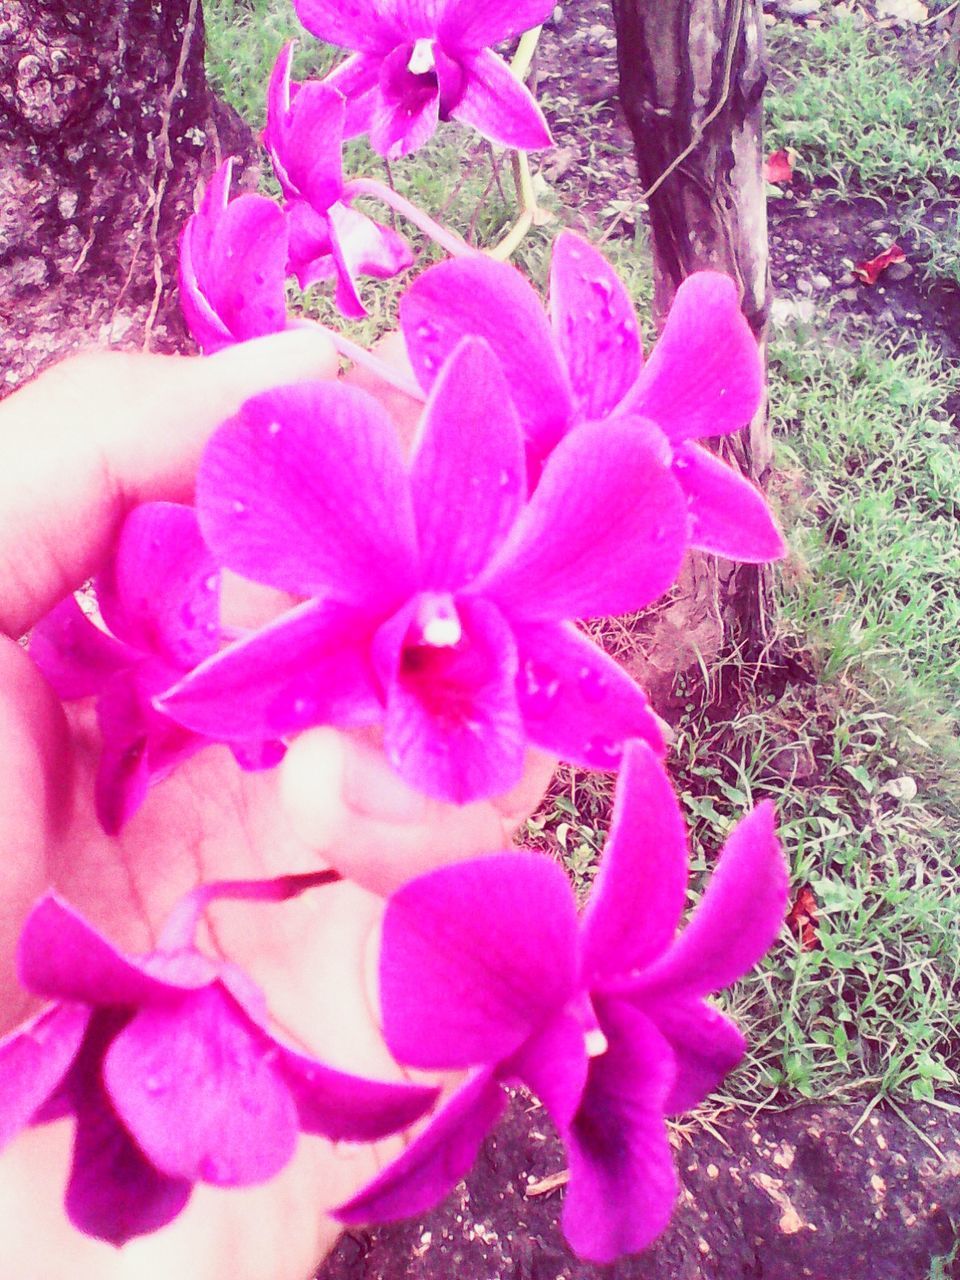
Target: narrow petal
623	1185
34	1058
357	78
435	1161
705	375
474	958
406	107
604	531
347	1108
206	327
468	473
161	593
310	246
351	24
310	666
706	1046
244	277
361	246
728	515
75	655
306	490
576	702
452	727
737	919
195	1085
638	895
498	106
464	24
553	1065
304	135
493	301
595	325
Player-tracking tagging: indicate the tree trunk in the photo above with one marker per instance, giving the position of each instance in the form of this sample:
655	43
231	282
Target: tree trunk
105	127
692	74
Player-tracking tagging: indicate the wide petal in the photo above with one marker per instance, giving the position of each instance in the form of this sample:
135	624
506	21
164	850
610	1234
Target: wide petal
358	79
361	246
493	301
553	1065
452	728
623	1185
728	515
576	702
351	24
638	896
244	276
464	24
195	1085
468	473
706	1046
737	919
595	325
497	105
604	531
304	135
306	490
208	328
705	374
435	1161
77	657
309	666
406	107
474	958
34	1058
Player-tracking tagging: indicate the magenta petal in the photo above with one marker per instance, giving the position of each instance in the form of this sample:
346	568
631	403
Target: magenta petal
638	896
728	515
474	958
493	301
347	1108
73	654
553	1065
352	24
705	375
357	78
195	1085
361	246
604	531
34	1058
497	105
406	107
468	473
737	919
114	1193
435	1161
464	24
310	666
305	136
306	490
243	275
623	1185
595	325
706	1046
452	728
207	328
576	702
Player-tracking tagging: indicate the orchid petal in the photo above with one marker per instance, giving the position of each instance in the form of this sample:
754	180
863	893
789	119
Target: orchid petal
352	24
737	919
309	666
357	79
304	135
705	374
361	246
161	593
311	246
490	300
728	515
452	728
497	105
553	1065
706	1046
306	490
623	1185
638	896
243	275
464	24
576	702
468	473
474	958
436	1159
406	108
603	533
595	325
74	655
34	1058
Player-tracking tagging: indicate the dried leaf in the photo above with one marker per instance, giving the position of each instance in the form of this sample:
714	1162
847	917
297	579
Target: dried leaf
802	919
870	271
778	167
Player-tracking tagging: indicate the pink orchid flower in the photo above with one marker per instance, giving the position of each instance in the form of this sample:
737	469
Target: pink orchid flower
328	239
437	597
420	61
585	364
168	1065
485	967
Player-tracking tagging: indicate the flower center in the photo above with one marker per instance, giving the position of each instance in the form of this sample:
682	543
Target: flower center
421	59
437	623
595	1042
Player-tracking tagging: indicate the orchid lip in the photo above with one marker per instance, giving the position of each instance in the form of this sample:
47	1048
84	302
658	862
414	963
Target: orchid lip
421	59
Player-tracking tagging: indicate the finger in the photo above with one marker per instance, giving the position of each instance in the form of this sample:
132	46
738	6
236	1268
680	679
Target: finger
104	431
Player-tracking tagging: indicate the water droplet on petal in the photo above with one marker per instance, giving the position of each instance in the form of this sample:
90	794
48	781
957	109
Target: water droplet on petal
211	582
681	462
239	508
273	428
539	688
156	1084
604	753
429	363
211	629
505	479
593	684
426	331
626	332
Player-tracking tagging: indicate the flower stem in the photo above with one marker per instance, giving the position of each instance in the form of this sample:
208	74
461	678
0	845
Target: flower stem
366	359
180	929
455	245
507	246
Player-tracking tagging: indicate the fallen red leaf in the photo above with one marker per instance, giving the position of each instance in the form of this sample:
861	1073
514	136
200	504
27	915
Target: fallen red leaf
870	271
778	167
802	919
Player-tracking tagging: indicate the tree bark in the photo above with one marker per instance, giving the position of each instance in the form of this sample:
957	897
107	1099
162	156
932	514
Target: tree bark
106	125
692	75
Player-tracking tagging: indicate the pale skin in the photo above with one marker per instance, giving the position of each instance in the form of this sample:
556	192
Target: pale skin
78	448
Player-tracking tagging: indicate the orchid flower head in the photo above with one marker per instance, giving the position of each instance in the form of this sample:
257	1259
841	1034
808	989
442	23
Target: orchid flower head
485	967
421	61
169	1067
585	364
160	599
233	261
438	597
